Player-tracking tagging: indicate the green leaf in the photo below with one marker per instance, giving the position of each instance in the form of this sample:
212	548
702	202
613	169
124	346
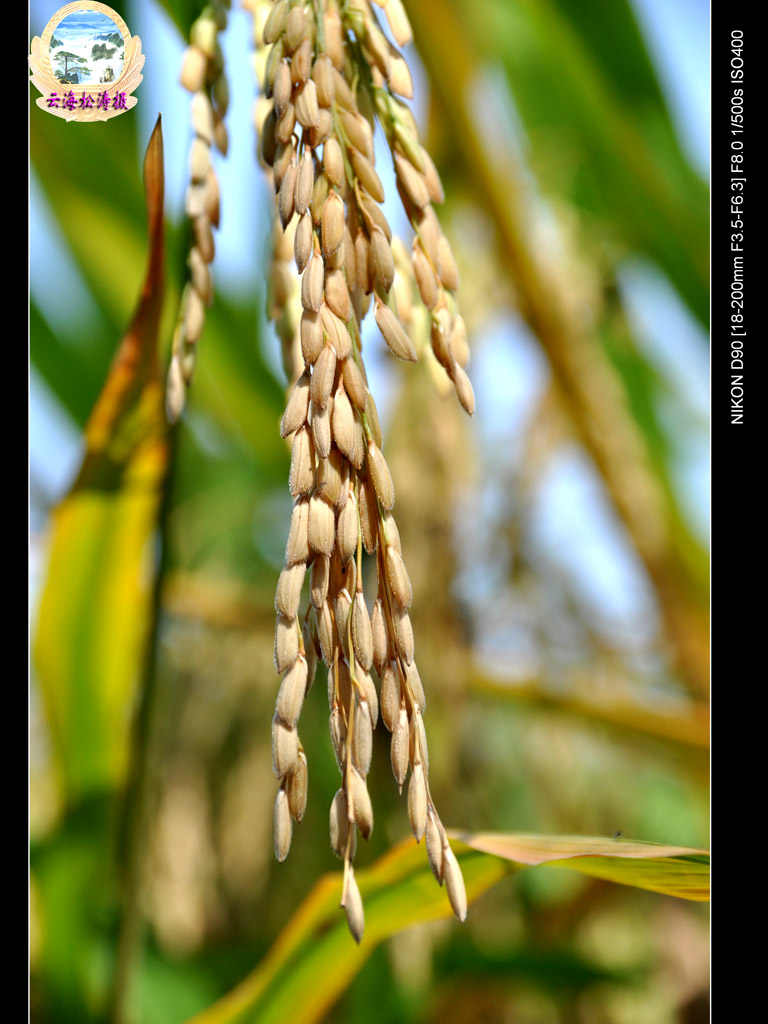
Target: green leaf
672	870
599	129
316	954
94	612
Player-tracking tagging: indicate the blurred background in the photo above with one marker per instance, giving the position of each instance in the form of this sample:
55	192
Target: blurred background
557	542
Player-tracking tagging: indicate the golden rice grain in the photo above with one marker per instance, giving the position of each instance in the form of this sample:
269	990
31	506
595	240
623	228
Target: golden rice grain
329	83
282	825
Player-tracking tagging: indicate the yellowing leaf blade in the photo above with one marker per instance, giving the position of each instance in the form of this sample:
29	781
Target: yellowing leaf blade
674	870
95	607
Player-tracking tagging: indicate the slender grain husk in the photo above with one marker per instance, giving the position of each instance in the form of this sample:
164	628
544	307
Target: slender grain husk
419	750
343	423
311	332
342	610
397	574
193	69
368	515
201	276
362	742
338	335
323	128
404	639
296	411
294	27
339	825
353	905
322	75
464	391
367	688
282	88
288	593
417	801
379	638
301	62
354	384
307	107
393	333
454	883
392	534
285	124
412	181
381	477
322	525
275	23
326	631
434	845
312	284
282	825
449	274
284	153
201	113
323	375
399	747
333	161
362	637
302	242
194	314
302	475
286	649
357	130
321	428
366	173
290	697
337	294
417	692
347	529
332	222
383	261
399	24
318	585
297	546
361	804
432	178
426	279
287	195
305	182
400	80
296	787
390	695
334	44
285	747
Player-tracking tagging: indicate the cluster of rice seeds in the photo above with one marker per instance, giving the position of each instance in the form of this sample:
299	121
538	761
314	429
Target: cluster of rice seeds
324	90
434	265
202	74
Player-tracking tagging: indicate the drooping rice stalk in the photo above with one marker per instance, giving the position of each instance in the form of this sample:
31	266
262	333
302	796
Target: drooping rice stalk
202	74
329	73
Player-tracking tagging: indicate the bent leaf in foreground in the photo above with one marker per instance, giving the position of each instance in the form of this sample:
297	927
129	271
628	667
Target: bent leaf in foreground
315	953
95	607
672	870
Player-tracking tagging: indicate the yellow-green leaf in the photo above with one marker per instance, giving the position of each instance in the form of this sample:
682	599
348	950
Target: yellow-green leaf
315	958
95	607
673	870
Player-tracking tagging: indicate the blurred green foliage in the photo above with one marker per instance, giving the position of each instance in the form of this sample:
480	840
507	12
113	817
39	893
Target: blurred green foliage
154	888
